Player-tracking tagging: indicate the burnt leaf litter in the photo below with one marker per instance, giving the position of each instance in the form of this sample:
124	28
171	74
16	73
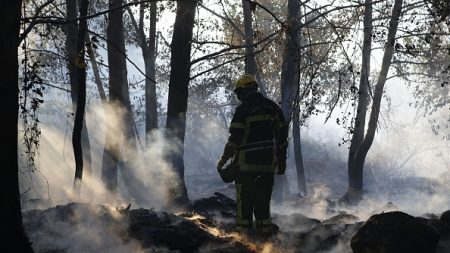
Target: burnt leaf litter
207	225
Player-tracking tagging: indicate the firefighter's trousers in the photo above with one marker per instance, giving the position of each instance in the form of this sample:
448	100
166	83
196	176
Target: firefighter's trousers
253	194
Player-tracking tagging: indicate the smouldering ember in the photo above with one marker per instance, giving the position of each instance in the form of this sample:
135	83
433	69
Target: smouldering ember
261	247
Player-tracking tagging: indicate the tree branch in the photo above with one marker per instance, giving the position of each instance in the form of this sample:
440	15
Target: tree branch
226	18
61	20
124	53
229	61
233	47
27	30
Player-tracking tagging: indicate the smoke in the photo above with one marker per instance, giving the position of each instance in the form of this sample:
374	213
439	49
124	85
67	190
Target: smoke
341	247
205	139
406	161
143	176
78	228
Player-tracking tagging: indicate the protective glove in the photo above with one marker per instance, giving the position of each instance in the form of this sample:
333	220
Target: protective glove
220	163
281	167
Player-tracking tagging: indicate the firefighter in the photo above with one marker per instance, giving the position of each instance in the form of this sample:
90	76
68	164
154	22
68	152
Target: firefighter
257	145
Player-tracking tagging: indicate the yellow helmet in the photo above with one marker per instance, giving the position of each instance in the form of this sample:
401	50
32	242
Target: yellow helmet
244	81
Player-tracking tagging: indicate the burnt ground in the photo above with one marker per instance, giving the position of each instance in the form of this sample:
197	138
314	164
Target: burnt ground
206	226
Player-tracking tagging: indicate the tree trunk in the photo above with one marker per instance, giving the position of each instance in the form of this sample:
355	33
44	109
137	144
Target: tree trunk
290	83
151	103
149	55
364	146
13	238
95	69
110	160
250	61
355	179
72	66
178	96
71	49
81	96
378	94
117	84
301	181
120	144
290	65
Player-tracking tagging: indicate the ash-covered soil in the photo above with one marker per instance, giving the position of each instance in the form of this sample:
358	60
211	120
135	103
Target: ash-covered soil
207	225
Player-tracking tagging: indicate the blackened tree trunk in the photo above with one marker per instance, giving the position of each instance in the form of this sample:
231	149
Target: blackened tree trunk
178	96
72	54
80	96
110	160
298	155
357	158
290	87
149	54
13	238
98	81
291	57
71	48
117	94
151	103
120	143
250	60
355	175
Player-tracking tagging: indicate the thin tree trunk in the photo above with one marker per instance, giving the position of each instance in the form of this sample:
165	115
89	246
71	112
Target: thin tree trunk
98	82
120	144
117	82
129	137
355	179
290	65
178	96
95	69
151	118
378	94
110	160
250	61
149	55
81	97
85	142
13	238
151	103
289	84
298	156
72	66
366	143
86	145
71	49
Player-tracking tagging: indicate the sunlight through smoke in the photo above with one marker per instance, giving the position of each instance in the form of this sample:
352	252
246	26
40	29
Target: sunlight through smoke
146	170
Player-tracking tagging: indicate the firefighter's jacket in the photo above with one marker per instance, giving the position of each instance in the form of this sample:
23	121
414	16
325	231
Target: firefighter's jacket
258	135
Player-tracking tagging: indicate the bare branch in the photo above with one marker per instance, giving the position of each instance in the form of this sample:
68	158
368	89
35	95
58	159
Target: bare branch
402	75
337	99
419	63
229	61
30	26
124	53
233	47
226	18
61	20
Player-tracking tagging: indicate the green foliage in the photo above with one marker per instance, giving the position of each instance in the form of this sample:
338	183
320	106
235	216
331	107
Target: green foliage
30	100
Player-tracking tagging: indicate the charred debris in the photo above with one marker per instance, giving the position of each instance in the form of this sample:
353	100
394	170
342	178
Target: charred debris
207	225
